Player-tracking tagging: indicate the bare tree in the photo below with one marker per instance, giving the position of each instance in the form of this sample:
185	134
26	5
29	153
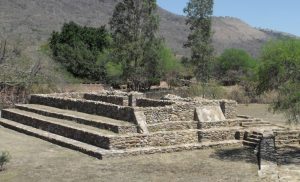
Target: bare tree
2	51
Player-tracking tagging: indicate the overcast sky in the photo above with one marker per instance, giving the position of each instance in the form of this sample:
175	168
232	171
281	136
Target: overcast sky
280	15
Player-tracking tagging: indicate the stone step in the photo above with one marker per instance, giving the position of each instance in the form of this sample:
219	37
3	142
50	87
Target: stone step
56	139
85	106
287	137
249	144
98	137
255	124
286	142
253	139
105	154
223	123
65	128
257	133
288	134
244	116
172	126
177	148
258	136
113	125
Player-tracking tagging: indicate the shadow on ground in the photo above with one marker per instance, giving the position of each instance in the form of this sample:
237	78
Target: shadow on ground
289	155
236	154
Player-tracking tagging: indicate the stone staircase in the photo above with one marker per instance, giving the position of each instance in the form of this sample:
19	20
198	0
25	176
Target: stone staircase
252	139
100	122
103	129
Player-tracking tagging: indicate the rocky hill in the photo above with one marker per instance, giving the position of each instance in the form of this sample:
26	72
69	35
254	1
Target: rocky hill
32	21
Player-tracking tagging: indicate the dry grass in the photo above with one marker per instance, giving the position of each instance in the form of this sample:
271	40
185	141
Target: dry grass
262	111
34	160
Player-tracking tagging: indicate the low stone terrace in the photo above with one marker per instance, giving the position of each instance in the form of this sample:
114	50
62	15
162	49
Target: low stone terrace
116	124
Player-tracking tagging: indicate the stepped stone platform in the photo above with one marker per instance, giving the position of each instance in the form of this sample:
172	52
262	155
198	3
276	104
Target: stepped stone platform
115	124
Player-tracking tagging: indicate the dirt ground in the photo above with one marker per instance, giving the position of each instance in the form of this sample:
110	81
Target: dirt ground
261	111
35	160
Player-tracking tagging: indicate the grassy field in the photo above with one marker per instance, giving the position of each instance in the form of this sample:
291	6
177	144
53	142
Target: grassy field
35	160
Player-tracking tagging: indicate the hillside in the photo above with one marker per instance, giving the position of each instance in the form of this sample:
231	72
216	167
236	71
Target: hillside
32	21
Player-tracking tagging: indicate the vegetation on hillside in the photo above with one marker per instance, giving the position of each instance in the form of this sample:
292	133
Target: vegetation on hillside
16	68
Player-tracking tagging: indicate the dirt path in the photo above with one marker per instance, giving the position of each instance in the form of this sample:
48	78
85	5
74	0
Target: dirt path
34	160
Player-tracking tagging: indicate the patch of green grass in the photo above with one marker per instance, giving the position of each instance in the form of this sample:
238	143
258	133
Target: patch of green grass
45	49
4	159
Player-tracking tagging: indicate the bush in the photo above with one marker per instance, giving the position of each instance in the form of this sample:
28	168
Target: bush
210	91
4	159
238	94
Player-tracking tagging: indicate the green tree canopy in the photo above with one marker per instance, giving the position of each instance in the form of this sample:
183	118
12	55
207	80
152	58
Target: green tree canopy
280	70
233	66
78	49
134	26
199	16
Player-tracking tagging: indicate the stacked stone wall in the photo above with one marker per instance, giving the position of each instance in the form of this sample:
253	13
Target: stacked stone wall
267	155
217	135
118	100
152	103
287	137
87	106
171	126
180	111
74	95
225	123
229	108
154	139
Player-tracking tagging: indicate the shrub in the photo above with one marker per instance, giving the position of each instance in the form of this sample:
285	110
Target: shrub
211	91
4	158
238	94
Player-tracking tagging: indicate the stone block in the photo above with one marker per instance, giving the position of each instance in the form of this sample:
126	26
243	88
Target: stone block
209	114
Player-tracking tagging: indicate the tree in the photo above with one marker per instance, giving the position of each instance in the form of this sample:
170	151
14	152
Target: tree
134	26
199	17
78	49
280	70
170	68
233	66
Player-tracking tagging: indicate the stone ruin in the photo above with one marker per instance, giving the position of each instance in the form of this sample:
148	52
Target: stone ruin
116	124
